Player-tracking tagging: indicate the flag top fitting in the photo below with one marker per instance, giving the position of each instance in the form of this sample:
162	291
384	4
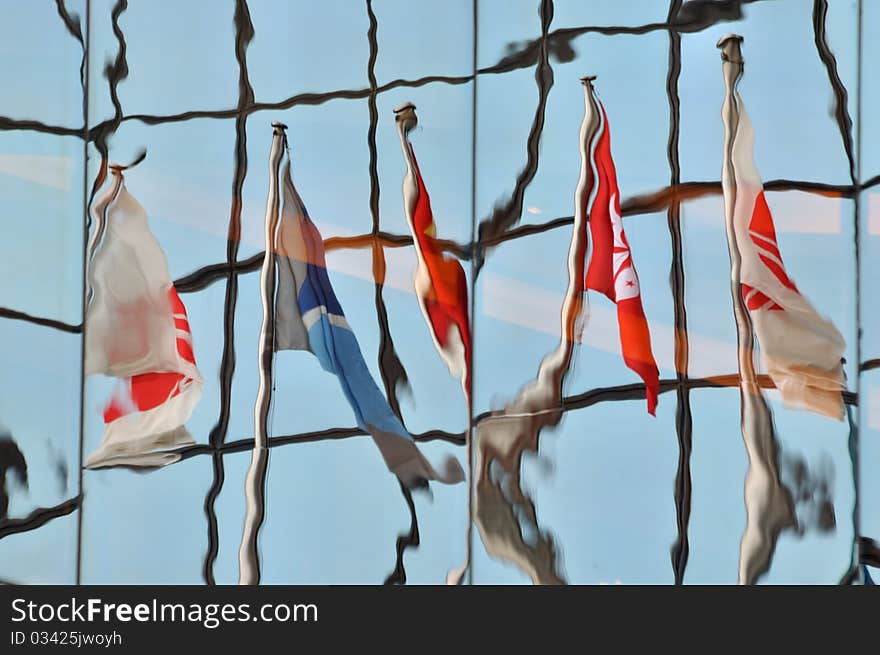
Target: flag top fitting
587	79
729	44
118	168
727	37
405	116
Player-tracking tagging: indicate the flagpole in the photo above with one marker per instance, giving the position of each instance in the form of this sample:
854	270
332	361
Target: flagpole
255	483
502	438
406	120
769	508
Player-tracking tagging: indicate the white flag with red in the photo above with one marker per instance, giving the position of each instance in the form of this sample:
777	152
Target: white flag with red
138	332
801	350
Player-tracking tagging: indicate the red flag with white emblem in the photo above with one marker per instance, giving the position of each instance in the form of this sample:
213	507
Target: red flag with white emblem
611	270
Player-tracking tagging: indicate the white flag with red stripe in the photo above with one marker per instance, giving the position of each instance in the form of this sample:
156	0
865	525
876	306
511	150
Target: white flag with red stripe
800	349
137	331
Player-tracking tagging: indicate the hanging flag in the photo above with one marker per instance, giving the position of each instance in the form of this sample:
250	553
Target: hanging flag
770	508
611	270
440	282
310	317
137	331
800	349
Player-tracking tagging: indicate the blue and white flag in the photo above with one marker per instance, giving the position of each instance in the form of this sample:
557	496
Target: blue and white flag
308	316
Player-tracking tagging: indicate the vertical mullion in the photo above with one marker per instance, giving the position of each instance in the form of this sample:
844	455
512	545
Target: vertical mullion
475	260
243	34
390	367
85	242
855	429
683	420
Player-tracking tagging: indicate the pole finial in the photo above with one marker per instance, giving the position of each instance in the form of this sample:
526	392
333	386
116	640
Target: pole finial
727	37
730	44
405	116
118	168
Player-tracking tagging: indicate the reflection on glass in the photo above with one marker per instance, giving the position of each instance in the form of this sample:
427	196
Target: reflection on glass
136	331
571	480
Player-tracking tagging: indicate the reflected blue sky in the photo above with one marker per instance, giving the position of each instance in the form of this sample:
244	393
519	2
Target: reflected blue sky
603	480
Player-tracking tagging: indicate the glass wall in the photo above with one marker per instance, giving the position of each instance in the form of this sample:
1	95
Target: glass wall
568	478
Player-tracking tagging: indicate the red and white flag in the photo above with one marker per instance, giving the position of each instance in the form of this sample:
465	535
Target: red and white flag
440	282
611	270
137	331
801	350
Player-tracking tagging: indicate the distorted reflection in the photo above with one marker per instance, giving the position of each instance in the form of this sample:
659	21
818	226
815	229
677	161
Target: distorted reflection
801	351
137	331
708	445
12	467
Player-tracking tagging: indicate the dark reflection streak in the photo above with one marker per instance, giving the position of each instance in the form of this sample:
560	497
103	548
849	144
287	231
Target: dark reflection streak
841	113
422	81
869	552
506	214
697	15
683	422
244	33
527	57
207	275
355	94
149	119
38	320
204	277
38	518
211	516
472	310
392	241
12	464
559	41
310	99
404	541
9	124
852	447
244	445
115	72
71	22
644	204
845	124
635	391
390	367
374	117
526	230
85	78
